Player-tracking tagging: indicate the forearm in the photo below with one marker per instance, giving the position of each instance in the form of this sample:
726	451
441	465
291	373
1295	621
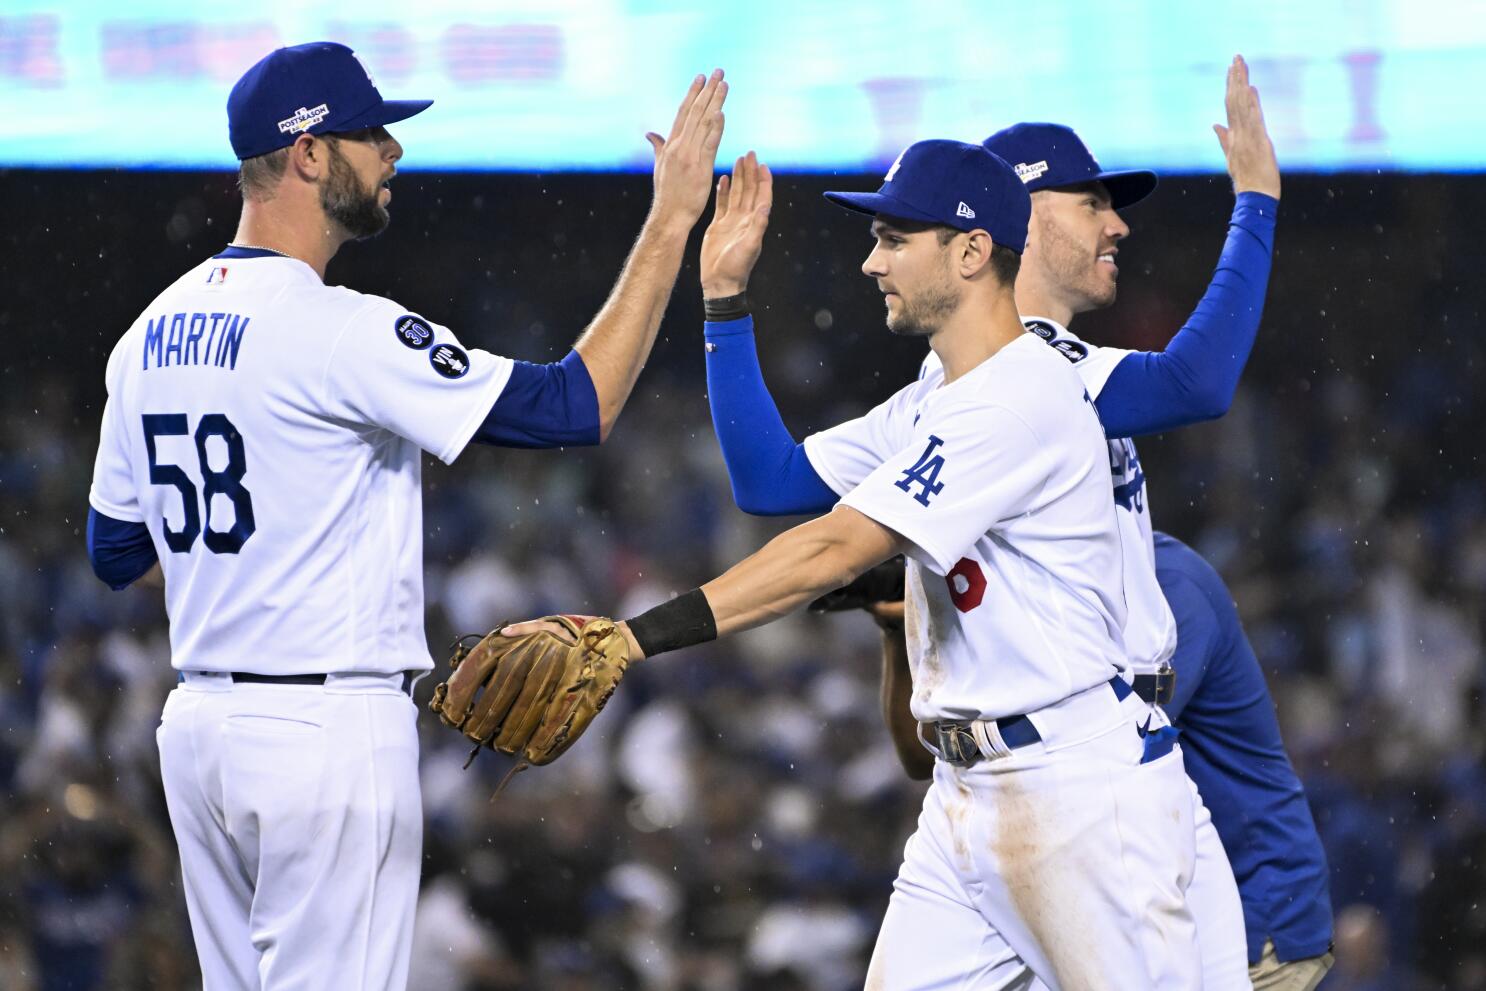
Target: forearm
1195	377
897	693
770	473
796	567
616	344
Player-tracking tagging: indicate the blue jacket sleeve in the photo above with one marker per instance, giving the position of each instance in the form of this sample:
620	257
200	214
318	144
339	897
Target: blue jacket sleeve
120	552
553	405
1197	636
1195	377
771	474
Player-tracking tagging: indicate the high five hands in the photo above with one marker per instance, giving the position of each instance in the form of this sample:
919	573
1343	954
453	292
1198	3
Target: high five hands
686	159
1245	141
735	237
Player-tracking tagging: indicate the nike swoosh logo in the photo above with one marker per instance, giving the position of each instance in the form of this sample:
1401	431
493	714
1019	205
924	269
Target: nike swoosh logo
1143	730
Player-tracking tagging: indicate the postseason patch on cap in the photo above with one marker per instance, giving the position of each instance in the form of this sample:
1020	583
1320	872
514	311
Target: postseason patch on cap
413	331
303	119
449	361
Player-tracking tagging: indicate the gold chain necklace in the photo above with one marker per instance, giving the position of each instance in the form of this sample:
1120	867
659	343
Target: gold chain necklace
258	247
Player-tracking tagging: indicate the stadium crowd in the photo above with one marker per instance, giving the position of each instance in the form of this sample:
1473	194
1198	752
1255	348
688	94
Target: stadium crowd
735	818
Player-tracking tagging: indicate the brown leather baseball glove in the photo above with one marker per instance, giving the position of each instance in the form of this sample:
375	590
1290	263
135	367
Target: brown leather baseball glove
532	695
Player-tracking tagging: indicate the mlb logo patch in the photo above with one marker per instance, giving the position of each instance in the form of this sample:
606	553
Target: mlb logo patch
217	275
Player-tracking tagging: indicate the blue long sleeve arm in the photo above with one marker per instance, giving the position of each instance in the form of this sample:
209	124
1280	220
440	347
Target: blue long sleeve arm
771	474
1195	377
120	552
552	405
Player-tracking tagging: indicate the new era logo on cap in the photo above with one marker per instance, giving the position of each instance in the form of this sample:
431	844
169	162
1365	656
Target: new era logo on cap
963	210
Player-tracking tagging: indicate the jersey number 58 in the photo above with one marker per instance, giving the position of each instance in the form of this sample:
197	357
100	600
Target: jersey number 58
226	482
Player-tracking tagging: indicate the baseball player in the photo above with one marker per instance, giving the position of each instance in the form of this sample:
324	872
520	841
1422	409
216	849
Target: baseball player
1068	268
1069	853
1232	750
260	455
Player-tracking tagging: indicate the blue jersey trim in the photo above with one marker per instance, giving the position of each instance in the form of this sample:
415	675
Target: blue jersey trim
770	473
120	552
1195	377
233	251
552	405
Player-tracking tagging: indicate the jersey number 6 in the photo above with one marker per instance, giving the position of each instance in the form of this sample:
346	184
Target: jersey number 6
226	482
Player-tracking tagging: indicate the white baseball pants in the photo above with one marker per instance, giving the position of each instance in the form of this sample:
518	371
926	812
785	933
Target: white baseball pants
1066	861
299	820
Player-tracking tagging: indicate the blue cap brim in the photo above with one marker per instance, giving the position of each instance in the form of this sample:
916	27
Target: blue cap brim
1128	188
386	112
879	203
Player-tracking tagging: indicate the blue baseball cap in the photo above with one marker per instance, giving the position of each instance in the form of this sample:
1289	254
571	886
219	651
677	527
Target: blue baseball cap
1048	156
320	87
949	182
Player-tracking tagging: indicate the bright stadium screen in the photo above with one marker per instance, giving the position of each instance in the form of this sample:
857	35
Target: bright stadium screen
840	85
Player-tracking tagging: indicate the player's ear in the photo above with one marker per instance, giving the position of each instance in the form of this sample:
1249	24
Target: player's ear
309	157
974	254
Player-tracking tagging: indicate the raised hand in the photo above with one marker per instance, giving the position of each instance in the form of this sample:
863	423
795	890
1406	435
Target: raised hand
1245	141
684	161
731	246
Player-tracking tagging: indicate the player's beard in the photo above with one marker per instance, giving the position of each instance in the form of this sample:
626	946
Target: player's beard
346	201
923	313
1070	267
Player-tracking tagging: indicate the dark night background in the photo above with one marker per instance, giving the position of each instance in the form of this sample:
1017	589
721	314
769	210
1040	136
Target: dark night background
736	818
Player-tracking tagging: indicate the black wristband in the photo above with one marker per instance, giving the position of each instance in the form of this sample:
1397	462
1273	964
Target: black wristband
682	622
725	308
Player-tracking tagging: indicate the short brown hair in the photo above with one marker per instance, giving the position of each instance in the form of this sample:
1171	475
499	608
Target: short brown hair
257	177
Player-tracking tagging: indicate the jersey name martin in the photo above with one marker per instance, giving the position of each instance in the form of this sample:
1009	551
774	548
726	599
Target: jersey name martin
194	339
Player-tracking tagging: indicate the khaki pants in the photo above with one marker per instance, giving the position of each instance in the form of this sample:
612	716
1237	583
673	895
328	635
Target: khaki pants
1269	974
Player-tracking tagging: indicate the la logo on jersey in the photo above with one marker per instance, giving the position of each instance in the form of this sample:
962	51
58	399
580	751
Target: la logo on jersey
925	472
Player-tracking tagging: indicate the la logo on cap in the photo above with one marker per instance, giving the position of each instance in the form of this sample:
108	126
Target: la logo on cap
894	170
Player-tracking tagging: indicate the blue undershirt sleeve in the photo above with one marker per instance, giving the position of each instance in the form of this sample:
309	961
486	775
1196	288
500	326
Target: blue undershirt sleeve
1195	377
120	551
552	405
771	474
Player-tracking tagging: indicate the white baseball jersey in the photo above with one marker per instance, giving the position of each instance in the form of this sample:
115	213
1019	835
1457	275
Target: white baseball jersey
267	428
999	480
1150	628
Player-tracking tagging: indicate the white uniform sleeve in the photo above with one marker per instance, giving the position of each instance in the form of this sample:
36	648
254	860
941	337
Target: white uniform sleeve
973	467
847	453
113	492
393	369
1093	363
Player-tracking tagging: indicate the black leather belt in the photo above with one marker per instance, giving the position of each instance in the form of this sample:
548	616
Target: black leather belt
1158	688
239	677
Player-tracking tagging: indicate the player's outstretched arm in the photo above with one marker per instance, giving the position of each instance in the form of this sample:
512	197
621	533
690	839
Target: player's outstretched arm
1195	377
616	344
770	473
792	569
